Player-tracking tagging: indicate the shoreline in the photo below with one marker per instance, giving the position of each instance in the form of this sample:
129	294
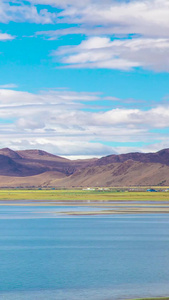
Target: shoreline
104	208
156	298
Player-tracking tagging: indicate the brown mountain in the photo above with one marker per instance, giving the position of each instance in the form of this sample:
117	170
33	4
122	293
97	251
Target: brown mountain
34	162
129	173
39	168
10	153
161	157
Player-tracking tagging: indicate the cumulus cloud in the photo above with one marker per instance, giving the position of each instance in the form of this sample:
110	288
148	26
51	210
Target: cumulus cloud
6	37
154	118
58	122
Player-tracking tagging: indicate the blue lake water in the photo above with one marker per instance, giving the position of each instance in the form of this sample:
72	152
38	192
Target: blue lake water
44	256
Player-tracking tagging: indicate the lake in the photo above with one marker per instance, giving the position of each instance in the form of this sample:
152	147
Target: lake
48	256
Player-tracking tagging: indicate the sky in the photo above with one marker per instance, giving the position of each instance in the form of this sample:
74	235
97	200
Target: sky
84	78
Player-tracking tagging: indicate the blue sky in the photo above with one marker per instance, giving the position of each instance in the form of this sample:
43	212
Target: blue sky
84	78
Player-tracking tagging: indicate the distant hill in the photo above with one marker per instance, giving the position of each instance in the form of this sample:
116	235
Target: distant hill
161	157
34	162
37	168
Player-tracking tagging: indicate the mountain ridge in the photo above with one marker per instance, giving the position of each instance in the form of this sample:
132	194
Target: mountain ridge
27	168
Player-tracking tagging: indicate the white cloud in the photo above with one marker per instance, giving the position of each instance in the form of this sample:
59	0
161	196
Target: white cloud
135	118
63	3
101	52
6	37
147	18
55	121
20	12
69	149
146	22
19	98
8	86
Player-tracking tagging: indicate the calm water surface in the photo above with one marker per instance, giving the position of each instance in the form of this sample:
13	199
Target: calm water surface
78	258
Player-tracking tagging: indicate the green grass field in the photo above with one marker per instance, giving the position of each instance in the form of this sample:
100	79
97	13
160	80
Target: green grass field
81	195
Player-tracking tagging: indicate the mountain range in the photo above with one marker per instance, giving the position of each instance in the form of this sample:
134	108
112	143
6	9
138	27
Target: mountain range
37	168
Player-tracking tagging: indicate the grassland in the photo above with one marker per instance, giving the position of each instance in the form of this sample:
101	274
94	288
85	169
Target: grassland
81	195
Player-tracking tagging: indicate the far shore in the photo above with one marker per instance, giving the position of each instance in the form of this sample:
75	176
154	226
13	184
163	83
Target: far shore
109	202
105	208
162	298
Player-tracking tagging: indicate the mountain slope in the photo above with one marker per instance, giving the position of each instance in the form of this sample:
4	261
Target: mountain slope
29	168
10	153
129	173
34	162
39	155
161	157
